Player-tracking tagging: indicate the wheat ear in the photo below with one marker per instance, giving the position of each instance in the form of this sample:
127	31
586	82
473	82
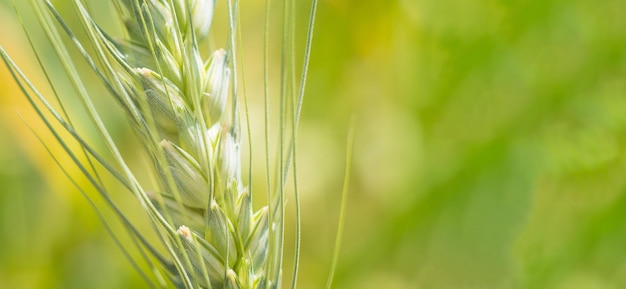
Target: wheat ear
225	244
177	102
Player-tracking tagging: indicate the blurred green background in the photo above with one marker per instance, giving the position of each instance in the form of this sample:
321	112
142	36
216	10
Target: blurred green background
490	151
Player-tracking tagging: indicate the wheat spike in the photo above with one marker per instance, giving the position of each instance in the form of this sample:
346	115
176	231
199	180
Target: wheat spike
176	99
186	96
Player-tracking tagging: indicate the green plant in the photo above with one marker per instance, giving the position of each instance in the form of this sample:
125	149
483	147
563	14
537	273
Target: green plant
175	98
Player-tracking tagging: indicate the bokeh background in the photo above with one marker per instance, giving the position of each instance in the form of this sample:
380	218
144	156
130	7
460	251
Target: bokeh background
490	150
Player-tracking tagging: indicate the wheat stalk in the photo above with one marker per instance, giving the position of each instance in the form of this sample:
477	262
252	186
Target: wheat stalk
176	100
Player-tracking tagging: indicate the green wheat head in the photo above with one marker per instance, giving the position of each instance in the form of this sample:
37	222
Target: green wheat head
183	104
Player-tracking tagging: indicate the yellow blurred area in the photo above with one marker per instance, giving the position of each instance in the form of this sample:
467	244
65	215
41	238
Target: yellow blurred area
50	236
18	115
490	150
